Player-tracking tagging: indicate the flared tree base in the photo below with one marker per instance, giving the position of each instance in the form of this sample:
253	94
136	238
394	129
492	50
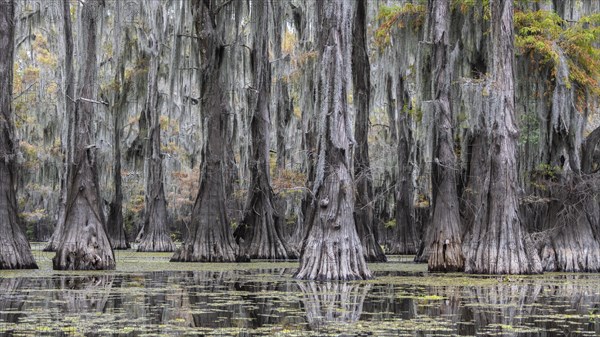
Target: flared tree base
156	243
82	257
14	257
203	253
120	244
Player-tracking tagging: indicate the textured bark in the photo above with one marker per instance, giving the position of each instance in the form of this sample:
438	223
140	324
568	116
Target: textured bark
573	244
497	242
15	252
405	238
66	142
259	236
361	78
84	243
116	231
155	237
284	105
590	153
331	249
304	19
573	217
445	251
53	242
210	239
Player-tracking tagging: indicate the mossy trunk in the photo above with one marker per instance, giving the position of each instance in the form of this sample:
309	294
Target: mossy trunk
66	140
15	252
497	242
84	244
155	237
283	103
331	249
259	236
405	240
114	222
361	78
445	251
211	238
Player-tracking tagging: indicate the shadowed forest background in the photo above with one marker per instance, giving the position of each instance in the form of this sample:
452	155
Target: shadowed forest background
456	136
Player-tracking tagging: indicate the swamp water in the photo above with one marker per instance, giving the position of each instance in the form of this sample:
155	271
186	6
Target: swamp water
148	296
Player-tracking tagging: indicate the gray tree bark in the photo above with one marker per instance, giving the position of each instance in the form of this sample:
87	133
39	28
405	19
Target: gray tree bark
116	231
361	78
210	239
331	249
66	141
445	251
304	19
155	237
405	233
84	243
15	252
284	105
260	238
573	216
497	242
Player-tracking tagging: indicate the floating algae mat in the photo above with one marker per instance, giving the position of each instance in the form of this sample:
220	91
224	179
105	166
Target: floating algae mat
148	296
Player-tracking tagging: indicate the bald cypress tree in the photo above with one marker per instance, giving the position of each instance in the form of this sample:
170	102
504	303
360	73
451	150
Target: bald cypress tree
260	237
15	252
497	242
445	251
361	78
211	238
155	236
331	249
84	243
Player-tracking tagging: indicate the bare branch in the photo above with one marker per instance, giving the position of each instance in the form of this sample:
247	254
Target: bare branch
87	100
24	91
218	9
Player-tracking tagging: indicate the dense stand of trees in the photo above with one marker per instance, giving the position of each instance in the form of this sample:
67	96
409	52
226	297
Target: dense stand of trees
330	131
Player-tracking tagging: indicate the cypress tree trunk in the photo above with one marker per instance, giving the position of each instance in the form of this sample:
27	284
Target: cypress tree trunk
572	220
136	152
361	77
331	249
445	253
62	206
260	235
573	217
116	231
84	243
284	107
15	252
66	142
304	19
155	237
210	239
405	234
497	242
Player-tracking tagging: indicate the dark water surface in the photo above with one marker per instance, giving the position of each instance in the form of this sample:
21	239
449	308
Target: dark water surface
148	296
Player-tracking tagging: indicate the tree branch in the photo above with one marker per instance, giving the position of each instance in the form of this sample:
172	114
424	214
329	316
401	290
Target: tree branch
87	100
218	9
24	91
187	35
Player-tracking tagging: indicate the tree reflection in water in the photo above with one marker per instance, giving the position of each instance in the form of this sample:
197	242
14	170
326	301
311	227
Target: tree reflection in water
330	303
12	300
84	294
268	302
